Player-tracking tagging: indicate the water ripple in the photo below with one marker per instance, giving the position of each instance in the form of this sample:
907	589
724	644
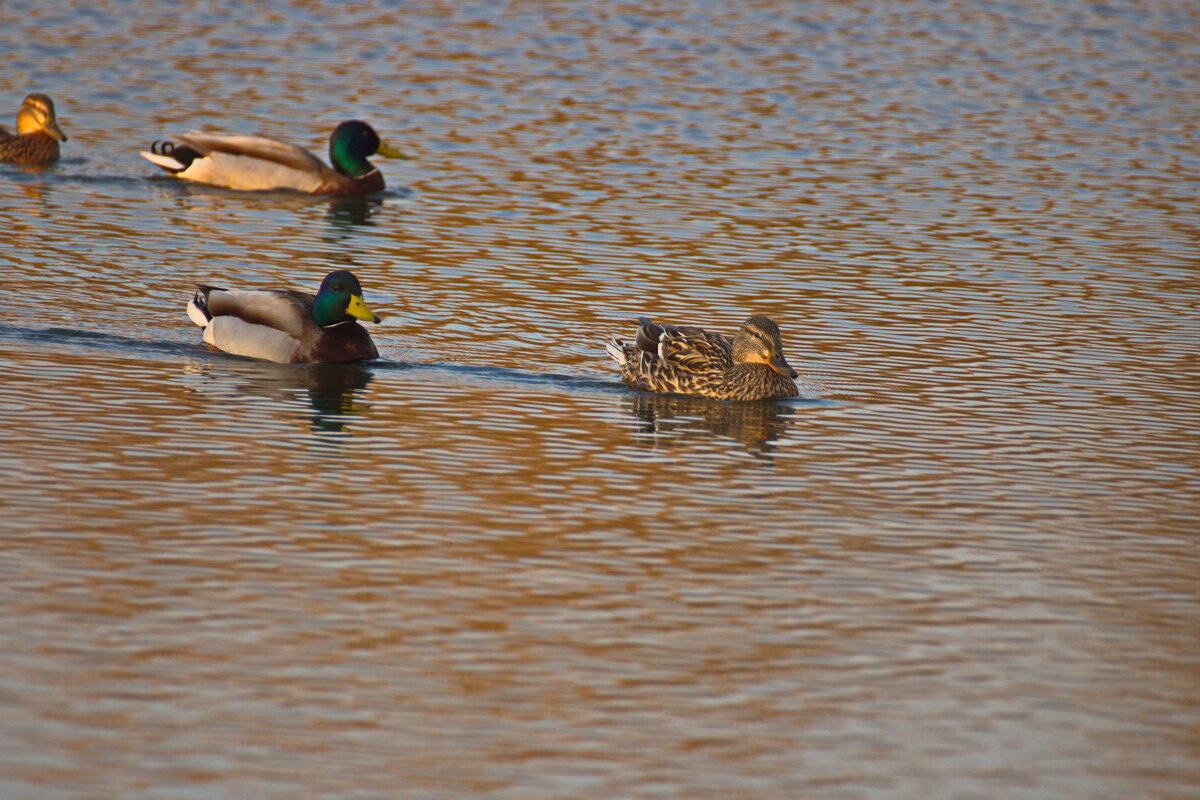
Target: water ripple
480	566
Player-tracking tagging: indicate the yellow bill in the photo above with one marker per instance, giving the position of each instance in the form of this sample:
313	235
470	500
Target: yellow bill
387	151
357	308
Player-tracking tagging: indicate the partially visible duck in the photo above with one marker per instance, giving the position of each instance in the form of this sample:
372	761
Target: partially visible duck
260	163
685	360
37	137
288	326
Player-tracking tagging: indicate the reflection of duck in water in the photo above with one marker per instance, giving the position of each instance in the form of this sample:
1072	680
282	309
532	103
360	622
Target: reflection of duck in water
673	418
334	391
287	326
260	163
347	212
684	360
37	137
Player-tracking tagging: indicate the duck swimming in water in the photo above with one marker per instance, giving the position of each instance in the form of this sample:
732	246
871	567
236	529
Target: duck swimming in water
260	163
687	360
37	137
288	326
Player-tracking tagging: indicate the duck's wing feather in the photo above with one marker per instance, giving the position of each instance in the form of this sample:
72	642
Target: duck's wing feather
289	312
687	348
247	163
259	323
263	148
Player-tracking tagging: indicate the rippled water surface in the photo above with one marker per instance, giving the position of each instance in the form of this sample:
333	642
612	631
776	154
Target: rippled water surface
963	565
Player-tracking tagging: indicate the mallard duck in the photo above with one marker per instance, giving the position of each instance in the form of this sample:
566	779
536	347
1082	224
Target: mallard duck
679	360
287	326
260	163
37	137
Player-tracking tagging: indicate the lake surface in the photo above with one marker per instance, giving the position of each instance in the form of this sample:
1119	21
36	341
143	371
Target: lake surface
963	565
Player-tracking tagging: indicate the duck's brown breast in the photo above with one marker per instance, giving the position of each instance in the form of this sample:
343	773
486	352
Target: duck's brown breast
348	341
29	148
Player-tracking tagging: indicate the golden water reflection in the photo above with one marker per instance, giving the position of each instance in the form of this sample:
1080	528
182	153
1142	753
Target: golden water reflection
965	566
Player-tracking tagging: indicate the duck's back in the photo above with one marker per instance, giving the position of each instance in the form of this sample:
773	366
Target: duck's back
678	359
258	323
690	349
244	163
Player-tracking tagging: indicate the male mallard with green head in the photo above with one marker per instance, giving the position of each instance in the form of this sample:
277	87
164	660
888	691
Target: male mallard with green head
260	163
288	326
37	137
680	360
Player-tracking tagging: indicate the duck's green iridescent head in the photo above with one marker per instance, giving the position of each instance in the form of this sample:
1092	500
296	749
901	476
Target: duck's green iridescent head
340	299
351	143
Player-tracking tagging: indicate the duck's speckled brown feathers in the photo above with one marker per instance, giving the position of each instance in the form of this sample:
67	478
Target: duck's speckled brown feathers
689	360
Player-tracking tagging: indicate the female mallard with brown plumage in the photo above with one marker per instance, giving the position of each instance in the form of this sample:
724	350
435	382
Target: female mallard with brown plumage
37	137
680	360
260	163
288	326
